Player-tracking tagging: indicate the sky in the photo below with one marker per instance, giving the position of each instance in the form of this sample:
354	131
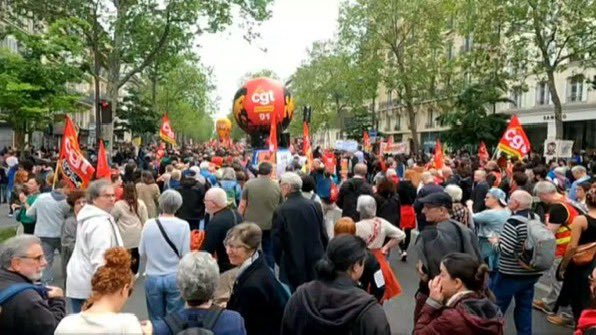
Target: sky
293	27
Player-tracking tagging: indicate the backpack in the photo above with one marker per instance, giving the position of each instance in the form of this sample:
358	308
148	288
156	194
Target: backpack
202	326
538	252
11	291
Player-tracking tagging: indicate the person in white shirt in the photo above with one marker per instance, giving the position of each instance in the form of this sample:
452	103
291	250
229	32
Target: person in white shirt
112	286
96	232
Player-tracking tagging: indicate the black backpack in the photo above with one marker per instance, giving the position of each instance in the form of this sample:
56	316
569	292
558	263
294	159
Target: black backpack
202	326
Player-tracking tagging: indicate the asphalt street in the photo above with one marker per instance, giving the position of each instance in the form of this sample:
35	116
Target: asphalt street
399	310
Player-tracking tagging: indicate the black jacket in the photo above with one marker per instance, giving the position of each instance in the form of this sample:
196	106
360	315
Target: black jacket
478	195
349	192
28	312
259	298
193	195
215	234
407	192
367	281
388	208
299	239
338	307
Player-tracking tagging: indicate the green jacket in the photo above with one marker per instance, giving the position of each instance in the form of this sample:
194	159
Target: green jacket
22	217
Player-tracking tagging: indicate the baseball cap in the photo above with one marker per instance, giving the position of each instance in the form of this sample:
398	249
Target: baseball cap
438	199
498	194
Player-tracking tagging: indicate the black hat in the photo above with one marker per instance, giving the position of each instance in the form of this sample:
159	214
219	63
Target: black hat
438	199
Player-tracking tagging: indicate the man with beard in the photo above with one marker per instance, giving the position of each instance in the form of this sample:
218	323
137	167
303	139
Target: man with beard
35	310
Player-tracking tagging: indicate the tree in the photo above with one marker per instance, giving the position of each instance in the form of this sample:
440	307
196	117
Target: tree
545	37
470	120
138	112
34	84
408	36
265	73
126	37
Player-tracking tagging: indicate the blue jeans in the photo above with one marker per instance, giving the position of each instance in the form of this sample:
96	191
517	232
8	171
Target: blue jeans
76	305
49	246
162	296
522	288
4	193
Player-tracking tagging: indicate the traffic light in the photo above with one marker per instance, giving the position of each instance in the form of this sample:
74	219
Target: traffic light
106	111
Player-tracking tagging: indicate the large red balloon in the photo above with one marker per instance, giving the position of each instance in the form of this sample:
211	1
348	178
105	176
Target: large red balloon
255	102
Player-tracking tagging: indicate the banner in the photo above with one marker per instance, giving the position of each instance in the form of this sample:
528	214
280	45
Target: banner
557	149
75	169
514	142
395	148
349	145
103	168
165	132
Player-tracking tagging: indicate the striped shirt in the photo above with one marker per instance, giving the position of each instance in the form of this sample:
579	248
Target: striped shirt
511	242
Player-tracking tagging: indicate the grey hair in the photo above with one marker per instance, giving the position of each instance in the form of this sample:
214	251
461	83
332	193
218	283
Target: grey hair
292	179
218	196
169	202
197	277
523	198
560	170
455	192
95	188
367	207
247	233
427	177
16	246
228	174
578	169
544	187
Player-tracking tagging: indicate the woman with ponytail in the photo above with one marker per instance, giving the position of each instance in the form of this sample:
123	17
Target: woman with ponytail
112	285
333	303
458	302
130	214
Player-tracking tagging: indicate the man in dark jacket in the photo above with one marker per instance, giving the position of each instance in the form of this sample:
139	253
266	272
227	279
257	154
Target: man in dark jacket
479	191
429	187
193	195
441	237
351	189
221	220
28	312
299	235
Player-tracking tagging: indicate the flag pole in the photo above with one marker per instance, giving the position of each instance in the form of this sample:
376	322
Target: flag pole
58	163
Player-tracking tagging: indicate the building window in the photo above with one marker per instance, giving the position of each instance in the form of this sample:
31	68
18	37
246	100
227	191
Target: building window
516	98
542	94
430	119
397	122
387	121
575	88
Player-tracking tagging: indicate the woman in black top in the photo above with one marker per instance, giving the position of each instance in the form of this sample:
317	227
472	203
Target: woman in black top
407	196
576	285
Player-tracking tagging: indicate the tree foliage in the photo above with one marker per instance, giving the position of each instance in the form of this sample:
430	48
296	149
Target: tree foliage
34	84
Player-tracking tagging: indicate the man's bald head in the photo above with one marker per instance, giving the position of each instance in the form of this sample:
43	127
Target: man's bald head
360	169
520	200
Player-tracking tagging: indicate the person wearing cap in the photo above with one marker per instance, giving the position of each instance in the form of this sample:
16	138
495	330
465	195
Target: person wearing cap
441	236
489	223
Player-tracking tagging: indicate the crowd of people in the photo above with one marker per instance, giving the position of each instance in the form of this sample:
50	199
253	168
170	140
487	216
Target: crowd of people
234	247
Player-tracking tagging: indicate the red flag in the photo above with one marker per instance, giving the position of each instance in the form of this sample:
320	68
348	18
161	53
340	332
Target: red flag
514	142
366	141
307	145
273	132
103	169
75	168
482	152
438	160
165	132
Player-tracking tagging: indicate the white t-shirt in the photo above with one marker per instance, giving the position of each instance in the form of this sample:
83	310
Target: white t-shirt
99	323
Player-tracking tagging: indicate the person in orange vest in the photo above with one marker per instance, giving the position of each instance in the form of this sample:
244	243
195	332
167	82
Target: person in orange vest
559	217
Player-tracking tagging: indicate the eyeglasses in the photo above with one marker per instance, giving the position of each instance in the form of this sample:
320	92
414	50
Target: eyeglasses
36	258
109	195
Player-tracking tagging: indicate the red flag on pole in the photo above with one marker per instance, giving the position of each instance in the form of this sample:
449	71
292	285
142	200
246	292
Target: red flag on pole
366	141
103	169
483	152
273	133
438	160
75	168
514	142
307	146
165	132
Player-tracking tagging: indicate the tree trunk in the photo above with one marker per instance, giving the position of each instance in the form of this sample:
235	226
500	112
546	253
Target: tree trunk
557	104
